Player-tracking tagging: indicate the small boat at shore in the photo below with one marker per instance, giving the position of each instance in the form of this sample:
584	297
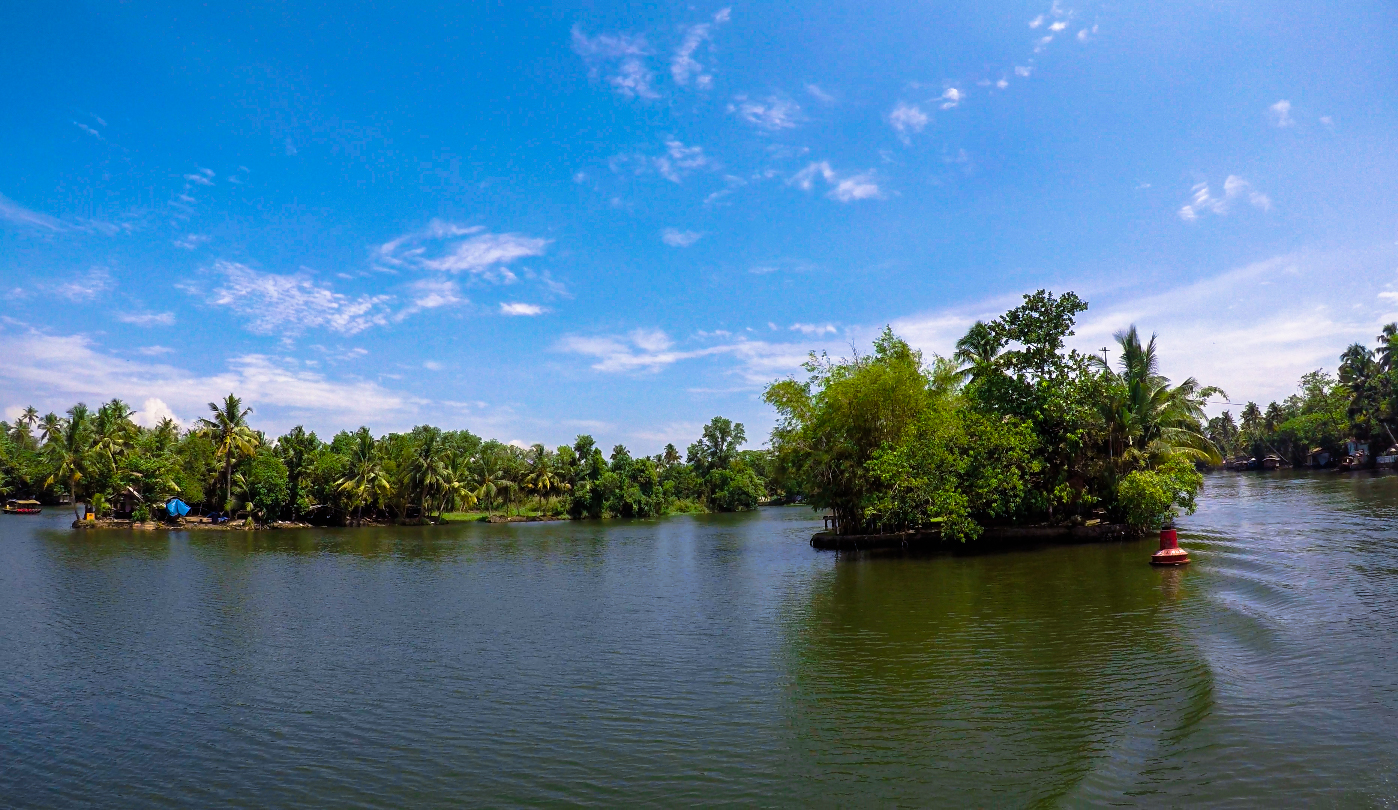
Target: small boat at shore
14	507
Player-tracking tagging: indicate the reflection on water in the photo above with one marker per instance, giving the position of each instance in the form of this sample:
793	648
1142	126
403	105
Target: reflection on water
707	659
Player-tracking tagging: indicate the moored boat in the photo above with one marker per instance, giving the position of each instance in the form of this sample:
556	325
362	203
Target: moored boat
14	507
1271	462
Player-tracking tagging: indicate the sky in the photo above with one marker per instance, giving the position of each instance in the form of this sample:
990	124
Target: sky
625	219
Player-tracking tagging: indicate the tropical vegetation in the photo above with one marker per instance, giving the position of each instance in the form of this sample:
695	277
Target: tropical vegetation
1012	429
1327	413
221	464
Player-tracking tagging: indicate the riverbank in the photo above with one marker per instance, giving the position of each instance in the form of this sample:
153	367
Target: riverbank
204	524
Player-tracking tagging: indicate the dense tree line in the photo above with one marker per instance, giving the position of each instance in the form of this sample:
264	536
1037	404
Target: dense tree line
1361	403
222	464
1012	429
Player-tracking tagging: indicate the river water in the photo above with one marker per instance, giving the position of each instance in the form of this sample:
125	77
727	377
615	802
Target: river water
711	659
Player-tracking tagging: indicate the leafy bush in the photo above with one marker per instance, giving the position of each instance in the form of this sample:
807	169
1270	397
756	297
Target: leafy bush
1147	499
141	513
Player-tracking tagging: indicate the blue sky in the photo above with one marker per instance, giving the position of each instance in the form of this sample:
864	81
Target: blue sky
623	219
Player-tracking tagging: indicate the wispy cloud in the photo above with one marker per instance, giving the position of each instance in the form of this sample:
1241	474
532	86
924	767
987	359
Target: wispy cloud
816	329
147	318
1234	187
683	66
675	237
844	188
154	351
516	308
431	293
18	214
1280	113
60	368
289	304
951	98
452	248
679	160
620	59
191	241
907	119
87	286
820	94
771	114
89	130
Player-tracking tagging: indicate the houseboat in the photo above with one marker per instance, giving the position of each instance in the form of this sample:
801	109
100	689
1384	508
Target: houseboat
14	507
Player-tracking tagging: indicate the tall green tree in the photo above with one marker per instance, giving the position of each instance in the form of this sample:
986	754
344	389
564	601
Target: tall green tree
228	428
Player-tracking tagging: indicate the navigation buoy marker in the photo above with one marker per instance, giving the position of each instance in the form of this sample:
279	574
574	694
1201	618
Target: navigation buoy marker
1170	552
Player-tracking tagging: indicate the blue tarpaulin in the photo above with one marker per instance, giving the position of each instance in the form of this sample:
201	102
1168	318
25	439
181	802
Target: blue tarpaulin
176	507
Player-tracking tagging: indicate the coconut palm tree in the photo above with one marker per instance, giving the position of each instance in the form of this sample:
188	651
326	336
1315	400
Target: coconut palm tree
71	453
456	489
977	350
365	481
228	428
492	482
29	417
1155	419
1388	347
114	430
428	471
50	427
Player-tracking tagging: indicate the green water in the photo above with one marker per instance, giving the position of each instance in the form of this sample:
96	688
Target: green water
707	660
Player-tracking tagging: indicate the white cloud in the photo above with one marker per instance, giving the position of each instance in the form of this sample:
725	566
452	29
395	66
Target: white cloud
683	66
1059	26
771	114
18	214
675	237
1086	34
147	318
621	54
519	309
280	304
58	369
1316	305
431	293
1234	187
951	98
452	248
199	179
1037	21
432	365
819	94
191	241
1023	71
814	329
154	351
680	160
653	351
907	118
1002	84
87	286
848	188
152	411
1280	114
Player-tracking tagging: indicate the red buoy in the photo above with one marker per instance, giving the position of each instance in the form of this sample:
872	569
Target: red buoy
1170	552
